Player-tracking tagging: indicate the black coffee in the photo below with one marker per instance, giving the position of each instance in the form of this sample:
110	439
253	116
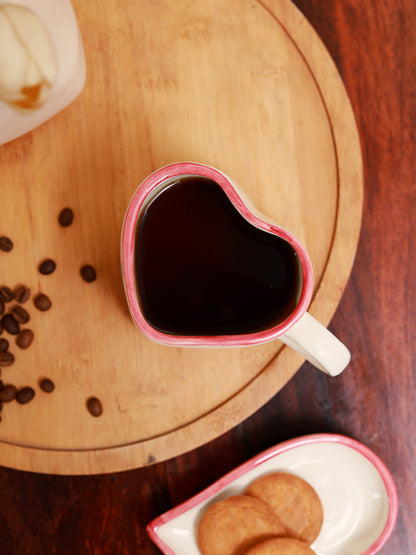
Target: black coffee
203	269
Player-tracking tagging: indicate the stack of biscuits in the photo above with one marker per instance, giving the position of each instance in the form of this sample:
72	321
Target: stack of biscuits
278	513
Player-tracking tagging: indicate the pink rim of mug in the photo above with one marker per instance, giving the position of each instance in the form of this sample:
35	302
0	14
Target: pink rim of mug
127	259
391	491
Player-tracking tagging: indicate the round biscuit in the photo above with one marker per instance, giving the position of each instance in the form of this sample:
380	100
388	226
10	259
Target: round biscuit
295	502
231	526
281	546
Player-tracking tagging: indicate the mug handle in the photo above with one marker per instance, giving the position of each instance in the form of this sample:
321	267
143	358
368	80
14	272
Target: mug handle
317	344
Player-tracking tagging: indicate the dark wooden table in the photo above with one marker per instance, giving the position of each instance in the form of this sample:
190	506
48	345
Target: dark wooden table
374	47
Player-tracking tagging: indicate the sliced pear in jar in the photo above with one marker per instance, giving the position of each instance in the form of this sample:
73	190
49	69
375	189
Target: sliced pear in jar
28	60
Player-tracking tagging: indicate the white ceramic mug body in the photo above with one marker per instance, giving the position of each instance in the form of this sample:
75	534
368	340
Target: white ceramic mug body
299	330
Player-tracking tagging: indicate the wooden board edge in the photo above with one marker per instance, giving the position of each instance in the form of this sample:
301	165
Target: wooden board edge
332	283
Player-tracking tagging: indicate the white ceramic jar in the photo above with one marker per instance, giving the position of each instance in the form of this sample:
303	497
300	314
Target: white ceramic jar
42	57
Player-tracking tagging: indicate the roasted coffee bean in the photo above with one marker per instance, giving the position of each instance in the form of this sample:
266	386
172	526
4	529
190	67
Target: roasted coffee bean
10	324
21	315
47	385
47	267
6	358
22	294
25	338
88	273
6	244
2	307
4	345
8	393
1	328
66	217
94	406
6	294
1	385
42	302
25	395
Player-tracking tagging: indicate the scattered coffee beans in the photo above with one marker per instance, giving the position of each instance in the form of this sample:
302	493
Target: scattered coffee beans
88	273
47	385
8	393
6	294
10	324
4	345
66	217
47	266
6	244
11	321
42	302
22	294
25	338
6	358
94	406
25	395
21	315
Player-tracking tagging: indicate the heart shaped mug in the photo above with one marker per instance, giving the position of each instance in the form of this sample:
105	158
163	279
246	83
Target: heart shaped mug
201	267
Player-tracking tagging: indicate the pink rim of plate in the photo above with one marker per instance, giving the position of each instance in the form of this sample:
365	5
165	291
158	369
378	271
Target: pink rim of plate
127	259
227	479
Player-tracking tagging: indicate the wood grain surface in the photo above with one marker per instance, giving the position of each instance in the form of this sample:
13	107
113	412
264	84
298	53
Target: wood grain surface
373	45
247	87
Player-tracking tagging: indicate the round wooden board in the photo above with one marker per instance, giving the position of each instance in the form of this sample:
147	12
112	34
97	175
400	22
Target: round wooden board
242	85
